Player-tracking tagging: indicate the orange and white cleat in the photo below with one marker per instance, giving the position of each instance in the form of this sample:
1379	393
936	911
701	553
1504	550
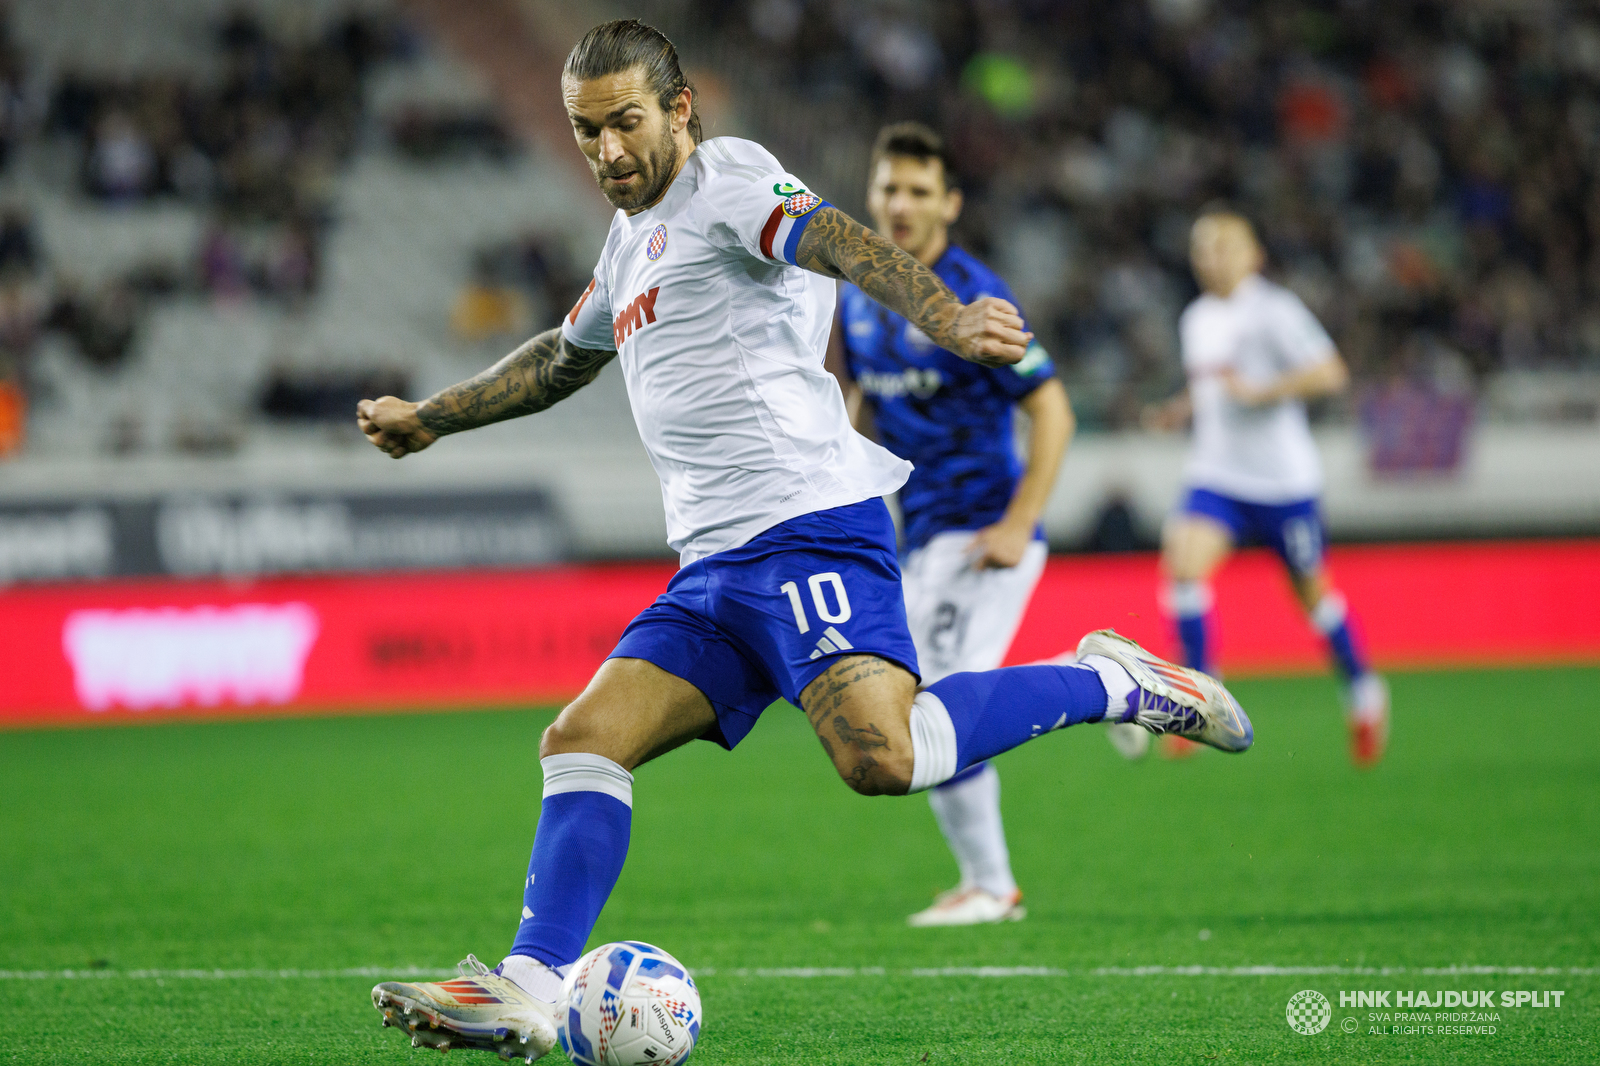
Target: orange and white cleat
970	906
480	1009
1368	720
1171	699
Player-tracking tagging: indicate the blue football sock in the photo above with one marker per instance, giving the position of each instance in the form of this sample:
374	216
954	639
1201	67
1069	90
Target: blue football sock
1192	632
1190	602
1332	618
996	710
578	852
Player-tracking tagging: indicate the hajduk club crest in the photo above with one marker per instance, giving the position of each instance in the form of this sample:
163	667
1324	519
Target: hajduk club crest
800	203
658	243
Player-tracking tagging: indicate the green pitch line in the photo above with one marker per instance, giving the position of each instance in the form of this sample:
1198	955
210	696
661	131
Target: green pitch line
333	845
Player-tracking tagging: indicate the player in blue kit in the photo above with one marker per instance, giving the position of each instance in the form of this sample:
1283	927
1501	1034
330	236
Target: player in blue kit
714	294
973	548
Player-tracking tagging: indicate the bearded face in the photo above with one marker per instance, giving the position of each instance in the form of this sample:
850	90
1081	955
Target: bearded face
626	136
635	182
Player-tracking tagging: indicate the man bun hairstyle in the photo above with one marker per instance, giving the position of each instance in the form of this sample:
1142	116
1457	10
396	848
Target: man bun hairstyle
623	44
913	140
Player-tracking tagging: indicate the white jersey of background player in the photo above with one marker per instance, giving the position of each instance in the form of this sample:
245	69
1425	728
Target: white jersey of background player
1254	354
973	549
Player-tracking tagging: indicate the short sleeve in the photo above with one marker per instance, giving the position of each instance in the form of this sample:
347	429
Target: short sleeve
764	212
588	324
1297	336
1019	379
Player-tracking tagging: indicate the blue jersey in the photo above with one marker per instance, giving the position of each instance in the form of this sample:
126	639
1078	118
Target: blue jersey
951	418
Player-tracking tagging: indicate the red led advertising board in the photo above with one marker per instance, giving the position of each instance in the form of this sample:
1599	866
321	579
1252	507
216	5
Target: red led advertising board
140	649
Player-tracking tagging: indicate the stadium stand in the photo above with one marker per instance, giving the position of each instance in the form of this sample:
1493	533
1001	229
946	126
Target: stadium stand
146	202
1423	171
171	322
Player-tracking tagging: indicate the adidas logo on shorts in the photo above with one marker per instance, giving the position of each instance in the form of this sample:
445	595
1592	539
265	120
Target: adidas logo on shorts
832	641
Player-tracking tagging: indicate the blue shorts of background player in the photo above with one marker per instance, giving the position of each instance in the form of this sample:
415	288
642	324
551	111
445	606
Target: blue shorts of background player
1293	530
720	627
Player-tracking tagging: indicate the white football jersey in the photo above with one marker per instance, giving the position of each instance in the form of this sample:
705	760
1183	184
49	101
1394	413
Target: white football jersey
1260	332
721	340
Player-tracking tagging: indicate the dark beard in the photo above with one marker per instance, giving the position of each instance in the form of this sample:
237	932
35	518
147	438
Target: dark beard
655	171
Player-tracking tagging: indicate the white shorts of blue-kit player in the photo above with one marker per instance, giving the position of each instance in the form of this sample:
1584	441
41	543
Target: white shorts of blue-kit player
962	617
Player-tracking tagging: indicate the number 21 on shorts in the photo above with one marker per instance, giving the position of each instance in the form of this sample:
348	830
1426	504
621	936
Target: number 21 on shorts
819	600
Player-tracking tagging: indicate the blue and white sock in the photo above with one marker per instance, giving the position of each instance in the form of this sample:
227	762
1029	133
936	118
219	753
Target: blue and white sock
1331	616
578	853
963	719
1190	603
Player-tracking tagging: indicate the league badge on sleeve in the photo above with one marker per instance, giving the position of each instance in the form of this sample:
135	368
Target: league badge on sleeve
1034	360
658	243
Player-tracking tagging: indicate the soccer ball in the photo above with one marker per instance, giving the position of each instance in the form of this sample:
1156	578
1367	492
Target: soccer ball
628	1004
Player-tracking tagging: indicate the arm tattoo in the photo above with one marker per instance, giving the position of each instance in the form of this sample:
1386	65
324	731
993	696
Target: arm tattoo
542	372
836	245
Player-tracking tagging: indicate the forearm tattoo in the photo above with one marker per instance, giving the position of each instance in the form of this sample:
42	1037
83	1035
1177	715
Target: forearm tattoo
837	245
537	375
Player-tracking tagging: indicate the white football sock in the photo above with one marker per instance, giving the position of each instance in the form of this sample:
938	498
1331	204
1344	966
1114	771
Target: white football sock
933	743
1188	599
1329	613
969	817
1118	682
533	977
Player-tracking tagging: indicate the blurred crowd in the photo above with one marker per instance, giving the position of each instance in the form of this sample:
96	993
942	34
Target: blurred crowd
1422	172
257	147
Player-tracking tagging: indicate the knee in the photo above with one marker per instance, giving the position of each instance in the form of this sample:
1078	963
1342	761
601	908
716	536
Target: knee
878	772
563	736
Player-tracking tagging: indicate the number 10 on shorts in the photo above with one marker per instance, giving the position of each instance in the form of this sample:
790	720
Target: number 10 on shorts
818	600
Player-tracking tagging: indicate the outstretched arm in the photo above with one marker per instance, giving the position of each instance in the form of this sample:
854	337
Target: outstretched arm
537	375
987	331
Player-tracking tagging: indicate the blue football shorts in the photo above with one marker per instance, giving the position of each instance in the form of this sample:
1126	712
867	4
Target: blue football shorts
761	621
1293	530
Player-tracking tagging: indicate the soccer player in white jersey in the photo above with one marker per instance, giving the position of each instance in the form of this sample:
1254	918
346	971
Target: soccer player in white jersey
1254	355
973	546
715	294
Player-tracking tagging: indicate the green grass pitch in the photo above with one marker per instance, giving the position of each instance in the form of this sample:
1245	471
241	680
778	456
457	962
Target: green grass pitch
331	844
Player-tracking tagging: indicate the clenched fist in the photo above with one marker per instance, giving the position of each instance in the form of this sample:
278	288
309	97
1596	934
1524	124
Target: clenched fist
391	424
989	331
